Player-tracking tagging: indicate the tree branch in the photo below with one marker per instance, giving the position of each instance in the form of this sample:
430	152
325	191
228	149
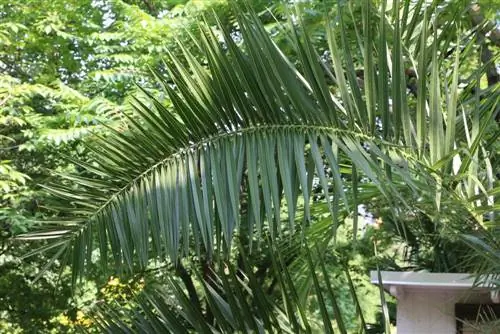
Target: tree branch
150	6
188	282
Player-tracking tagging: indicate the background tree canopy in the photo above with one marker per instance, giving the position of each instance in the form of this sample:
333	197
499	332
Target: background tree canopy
221	166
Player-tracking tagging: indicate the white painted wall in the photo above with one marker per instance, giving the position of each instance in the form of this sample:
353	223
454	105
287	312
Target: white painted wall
426	311
426	301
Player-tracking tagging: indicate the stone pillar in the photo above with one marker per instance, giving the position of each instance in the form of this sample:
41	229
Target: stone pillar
429	311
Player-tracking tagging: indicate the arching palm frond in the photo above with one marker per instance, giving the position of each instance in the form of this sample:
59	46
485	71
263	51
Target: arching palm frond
253	119
252	129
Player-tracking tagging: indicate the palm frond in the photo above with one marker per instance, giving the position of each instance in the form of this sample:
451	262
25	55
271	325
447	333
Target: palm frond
251	131
183	173
236	301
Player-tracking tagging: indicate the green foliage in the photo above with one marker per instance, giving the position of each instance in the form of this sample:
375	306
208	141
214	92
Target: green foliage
244	159
51	103
26	305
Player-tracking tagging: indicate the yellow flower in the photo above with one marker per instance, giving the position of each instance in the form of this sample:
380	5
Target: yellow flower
82	320
113	281
63	320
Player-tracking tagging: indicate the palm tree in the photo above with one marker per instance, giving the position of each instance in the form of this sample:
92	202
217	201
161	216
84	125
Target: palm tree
223	182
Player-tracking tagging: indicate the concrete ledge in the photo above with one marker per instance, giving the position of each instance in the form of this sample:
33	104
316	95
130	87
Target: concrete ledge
425	279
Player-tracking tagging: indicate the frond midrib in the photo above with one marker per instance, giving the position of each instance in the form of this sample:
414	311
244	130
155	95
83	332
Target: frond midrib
222	136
